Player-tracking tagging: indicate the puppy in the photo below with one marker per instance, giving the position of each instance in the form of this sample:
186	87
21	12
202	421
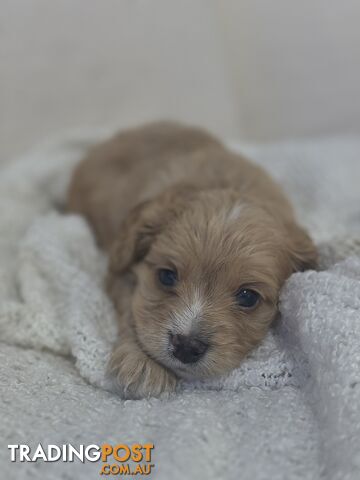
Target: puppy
200	242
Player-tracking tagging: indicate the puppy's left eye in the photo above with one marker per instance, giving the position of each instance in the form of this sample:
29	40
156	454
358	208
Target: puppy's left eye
247	298
167	277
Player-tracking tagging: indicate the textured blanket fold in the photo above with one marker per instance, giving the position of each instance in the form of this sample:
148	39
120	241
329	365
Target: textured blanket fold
295	402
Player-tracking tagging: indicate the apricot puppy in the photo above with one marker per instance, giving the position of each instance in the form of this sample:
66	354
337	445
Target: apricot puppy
200	242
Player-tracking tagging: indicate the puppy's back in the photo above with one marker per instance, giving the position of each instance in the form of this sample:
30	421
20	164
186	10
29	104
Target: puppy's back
112	177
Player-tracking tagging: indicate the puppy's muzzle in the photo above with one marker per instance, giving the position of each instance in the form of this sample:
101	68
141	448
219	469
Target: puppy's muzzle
187	349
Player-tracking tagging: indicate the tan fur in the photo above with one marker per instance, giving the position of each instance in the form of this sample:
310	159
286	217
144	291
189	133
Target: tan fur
169	196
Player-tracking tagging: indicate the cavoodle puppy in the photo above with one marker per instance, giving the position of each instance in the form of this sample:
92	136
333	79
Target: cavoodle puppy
200	242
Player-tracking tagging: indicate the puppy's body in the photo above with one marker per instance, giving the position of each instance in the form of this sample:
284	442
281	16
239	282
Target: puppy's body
140	164
169	197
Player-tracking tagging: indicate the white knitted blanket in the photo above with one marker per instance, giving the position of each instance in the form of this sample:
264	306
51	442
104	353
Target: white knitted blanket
292	409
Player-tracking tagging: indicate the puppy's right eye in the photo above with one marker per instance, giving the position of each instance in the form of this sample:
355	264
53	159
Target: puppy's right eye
167	277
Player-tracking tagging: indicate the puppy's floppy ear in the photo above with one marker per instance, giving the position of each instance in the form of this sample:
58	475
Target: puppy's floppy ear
143	223
135	236
302	251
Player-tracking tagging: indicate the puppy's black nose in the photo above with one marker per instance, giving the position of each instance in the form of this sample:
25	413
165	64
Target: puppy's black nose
187	349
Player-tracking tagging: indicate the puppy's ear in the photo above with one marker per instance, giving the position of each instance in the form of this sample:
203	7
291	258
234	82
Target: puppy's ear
302	251
143	223
135	236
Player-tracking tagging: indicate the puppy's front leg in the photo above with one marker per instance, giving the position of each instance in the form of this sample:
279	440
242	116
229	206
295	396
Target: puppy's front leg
138	375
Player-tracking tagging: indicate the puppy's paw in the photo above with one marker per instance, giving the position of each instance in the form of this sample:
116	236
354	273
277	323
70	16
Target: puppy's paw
137	375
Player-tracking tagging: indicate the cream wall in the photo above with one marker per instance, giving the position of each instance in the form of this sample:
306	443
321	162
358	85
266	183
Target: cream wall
253	69
296	65
67	63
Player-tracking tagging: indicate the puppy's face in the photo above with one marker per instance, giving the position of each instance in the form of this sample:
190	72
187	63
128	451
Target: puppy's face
207	281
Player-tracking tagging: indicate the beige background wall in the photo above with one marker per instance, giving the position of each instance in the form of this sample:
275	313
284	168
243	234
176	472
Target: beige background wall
296	65
252	69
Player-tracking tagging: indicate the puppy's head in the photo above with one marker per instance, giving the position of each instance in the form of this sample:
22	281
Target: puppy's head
208	273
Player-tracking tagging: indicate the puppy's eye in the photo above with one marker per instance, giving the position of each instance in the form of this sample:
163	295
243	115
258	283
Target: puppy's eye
167	277
247	298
